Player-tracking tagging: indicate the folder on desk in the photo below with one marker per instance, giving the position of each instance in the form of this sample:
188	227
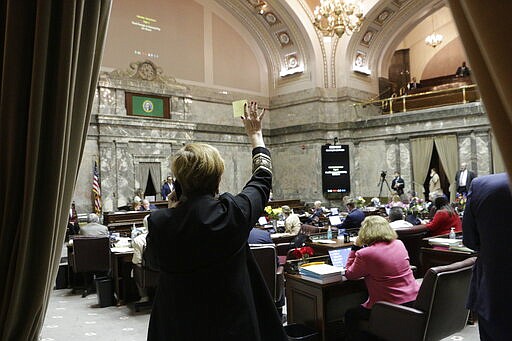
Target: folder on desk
320	271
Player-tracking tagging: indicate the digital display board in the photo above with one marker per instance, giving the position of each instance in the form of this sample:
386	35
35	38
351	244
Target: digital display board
335	169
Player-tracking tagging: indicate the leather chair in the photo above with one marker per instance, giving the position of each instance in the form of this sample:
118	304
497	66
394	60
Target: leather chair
439	309
273	274
412	237
91	255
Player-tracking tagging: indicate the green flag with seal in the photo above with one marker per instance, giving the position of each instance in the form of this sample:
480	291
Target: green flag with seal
148	106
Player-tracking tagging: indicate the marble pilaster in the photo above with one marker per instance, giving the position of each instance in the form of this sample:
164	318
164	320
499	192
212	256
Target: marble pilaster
483	156
108	175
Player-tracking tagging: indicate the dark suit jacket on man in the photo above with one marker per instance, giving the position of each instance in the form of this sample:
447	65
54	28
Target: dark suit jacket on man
353	220
398	185
469	179
486	228
166	190
259	236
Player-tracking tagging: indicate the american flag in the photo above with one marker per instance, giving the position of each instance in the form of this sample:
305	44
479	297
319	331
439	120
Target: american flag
96	189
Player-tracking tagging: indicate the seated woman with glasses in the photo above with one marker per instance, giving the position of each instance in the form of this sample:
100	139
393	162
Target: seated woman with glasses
382	260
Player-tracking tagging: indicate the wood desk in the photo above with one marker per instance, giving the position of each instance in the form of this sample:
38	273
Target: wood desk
431	256
122	222
124	285
322	306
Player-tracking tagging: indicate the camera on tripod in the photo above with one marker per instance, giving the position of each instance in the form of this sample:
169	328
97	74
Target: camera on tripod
383	174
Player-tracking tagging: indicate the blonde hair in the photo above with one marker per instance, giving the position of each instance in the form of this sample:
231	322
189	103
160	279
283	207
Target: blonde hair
198	168
376	229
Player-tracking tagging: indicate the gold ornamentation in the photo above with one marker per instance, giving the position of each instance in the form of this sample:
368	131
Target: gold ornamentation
261	161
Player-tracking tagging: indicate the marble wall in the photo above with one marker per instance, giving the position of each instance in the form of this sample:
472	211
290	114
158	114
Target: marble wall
295	129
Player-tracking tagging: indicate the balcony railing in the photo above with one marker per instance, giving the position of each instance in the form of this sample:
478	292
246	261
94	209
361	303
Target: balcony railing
428	99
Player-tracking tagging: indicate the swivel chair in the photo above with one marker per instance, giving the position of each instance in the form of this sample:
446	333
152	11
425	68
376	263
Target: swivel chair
439	309
91	256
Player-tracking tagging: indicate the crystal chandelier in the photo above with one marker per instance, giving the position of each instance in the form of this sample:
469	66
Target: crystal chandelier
338	17
434	39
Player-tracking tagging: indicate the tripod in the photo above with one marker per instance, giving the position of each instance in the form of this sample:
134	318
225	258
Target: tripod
381	183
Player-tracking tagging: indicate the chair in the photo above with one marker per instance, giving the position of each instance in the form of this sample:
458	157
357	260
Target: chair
91	255
266	258
439	310
146	279
412	237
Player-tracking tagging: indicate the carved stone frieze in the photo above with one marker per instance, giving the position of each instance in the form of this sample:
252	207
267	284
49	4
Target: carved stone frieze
142	75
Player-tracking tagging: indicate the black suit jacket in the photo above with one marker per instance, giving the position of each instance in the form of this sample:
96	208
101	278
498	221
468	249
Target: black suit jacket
353	220
398	185
469	179
210	287
486	228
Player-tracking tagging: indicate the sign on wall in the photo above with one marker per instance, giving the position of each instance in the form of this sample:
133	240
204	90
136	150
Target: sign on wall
335	169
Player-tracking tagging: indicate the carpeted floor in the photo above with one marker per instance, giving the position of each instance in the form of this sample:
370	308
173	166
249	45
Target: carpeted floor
71	317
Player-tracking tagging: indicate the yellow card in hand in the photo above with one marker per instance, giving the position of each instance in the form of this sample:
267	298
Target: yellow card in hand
238	108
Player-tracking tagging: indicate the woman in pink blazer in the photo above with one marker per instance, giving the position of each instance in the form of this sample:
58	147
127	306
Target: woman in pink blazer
382	260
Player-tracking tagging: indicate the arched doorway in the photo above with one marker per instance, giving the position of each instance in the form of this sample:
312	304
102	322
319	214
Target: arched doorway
435	162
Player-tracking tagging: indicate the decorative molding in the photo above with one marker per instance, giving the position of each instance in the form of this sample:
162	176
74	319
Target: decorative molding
368	36
284	39
143	75
384	16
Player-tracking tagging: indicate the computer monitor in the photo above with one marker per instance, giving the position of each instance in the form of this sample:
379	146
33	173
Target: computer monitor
339	257
335	220
334	211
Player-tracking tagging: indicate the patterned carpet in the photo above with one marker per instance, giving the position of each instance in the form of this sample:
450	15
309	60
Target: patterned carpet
71	317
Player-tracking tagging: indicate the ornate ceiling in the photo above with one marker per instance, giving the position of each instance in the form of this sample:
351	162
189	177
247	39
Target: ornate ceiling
295	52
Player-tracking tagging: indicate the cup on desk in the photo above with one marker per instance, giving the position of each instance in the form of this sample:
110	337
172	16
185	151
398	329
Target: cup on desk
346	238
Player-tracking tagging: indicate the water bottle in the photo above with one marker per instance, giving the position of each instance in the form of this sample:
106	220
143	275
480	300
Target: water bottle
134	232
452	234
329	233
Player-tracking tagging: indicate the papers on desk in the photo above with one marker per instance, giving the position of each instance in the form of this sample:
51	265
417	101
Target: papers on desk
278	235
324	241
121	249
461	248
444	242
327	280
321	271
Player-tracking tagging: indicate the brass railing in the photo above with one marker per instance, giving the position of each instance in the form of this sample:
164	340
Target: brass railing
387	104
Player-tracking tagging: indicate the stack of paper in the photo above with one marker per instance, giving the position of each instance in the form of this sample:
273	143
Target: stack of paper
320	271
444	241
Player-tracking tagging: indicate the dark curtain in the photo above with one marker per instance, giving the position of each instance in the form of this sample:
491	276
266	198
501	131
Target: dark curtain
50	57
483	28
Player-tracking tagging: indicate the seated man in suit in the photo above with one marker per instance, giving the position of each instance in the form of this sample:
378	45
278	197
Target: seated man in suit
462	71
396	218
146	206
93	227
291	222
259	236
354	218
413	84
317	213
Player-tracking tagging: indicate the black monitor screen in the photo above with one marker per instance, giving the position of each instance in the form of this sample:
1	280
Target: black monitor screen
335	169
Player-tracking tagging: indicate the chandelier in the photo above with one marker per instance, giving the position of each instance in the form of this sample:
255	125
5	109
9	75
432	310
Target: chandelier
338	17
434	39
